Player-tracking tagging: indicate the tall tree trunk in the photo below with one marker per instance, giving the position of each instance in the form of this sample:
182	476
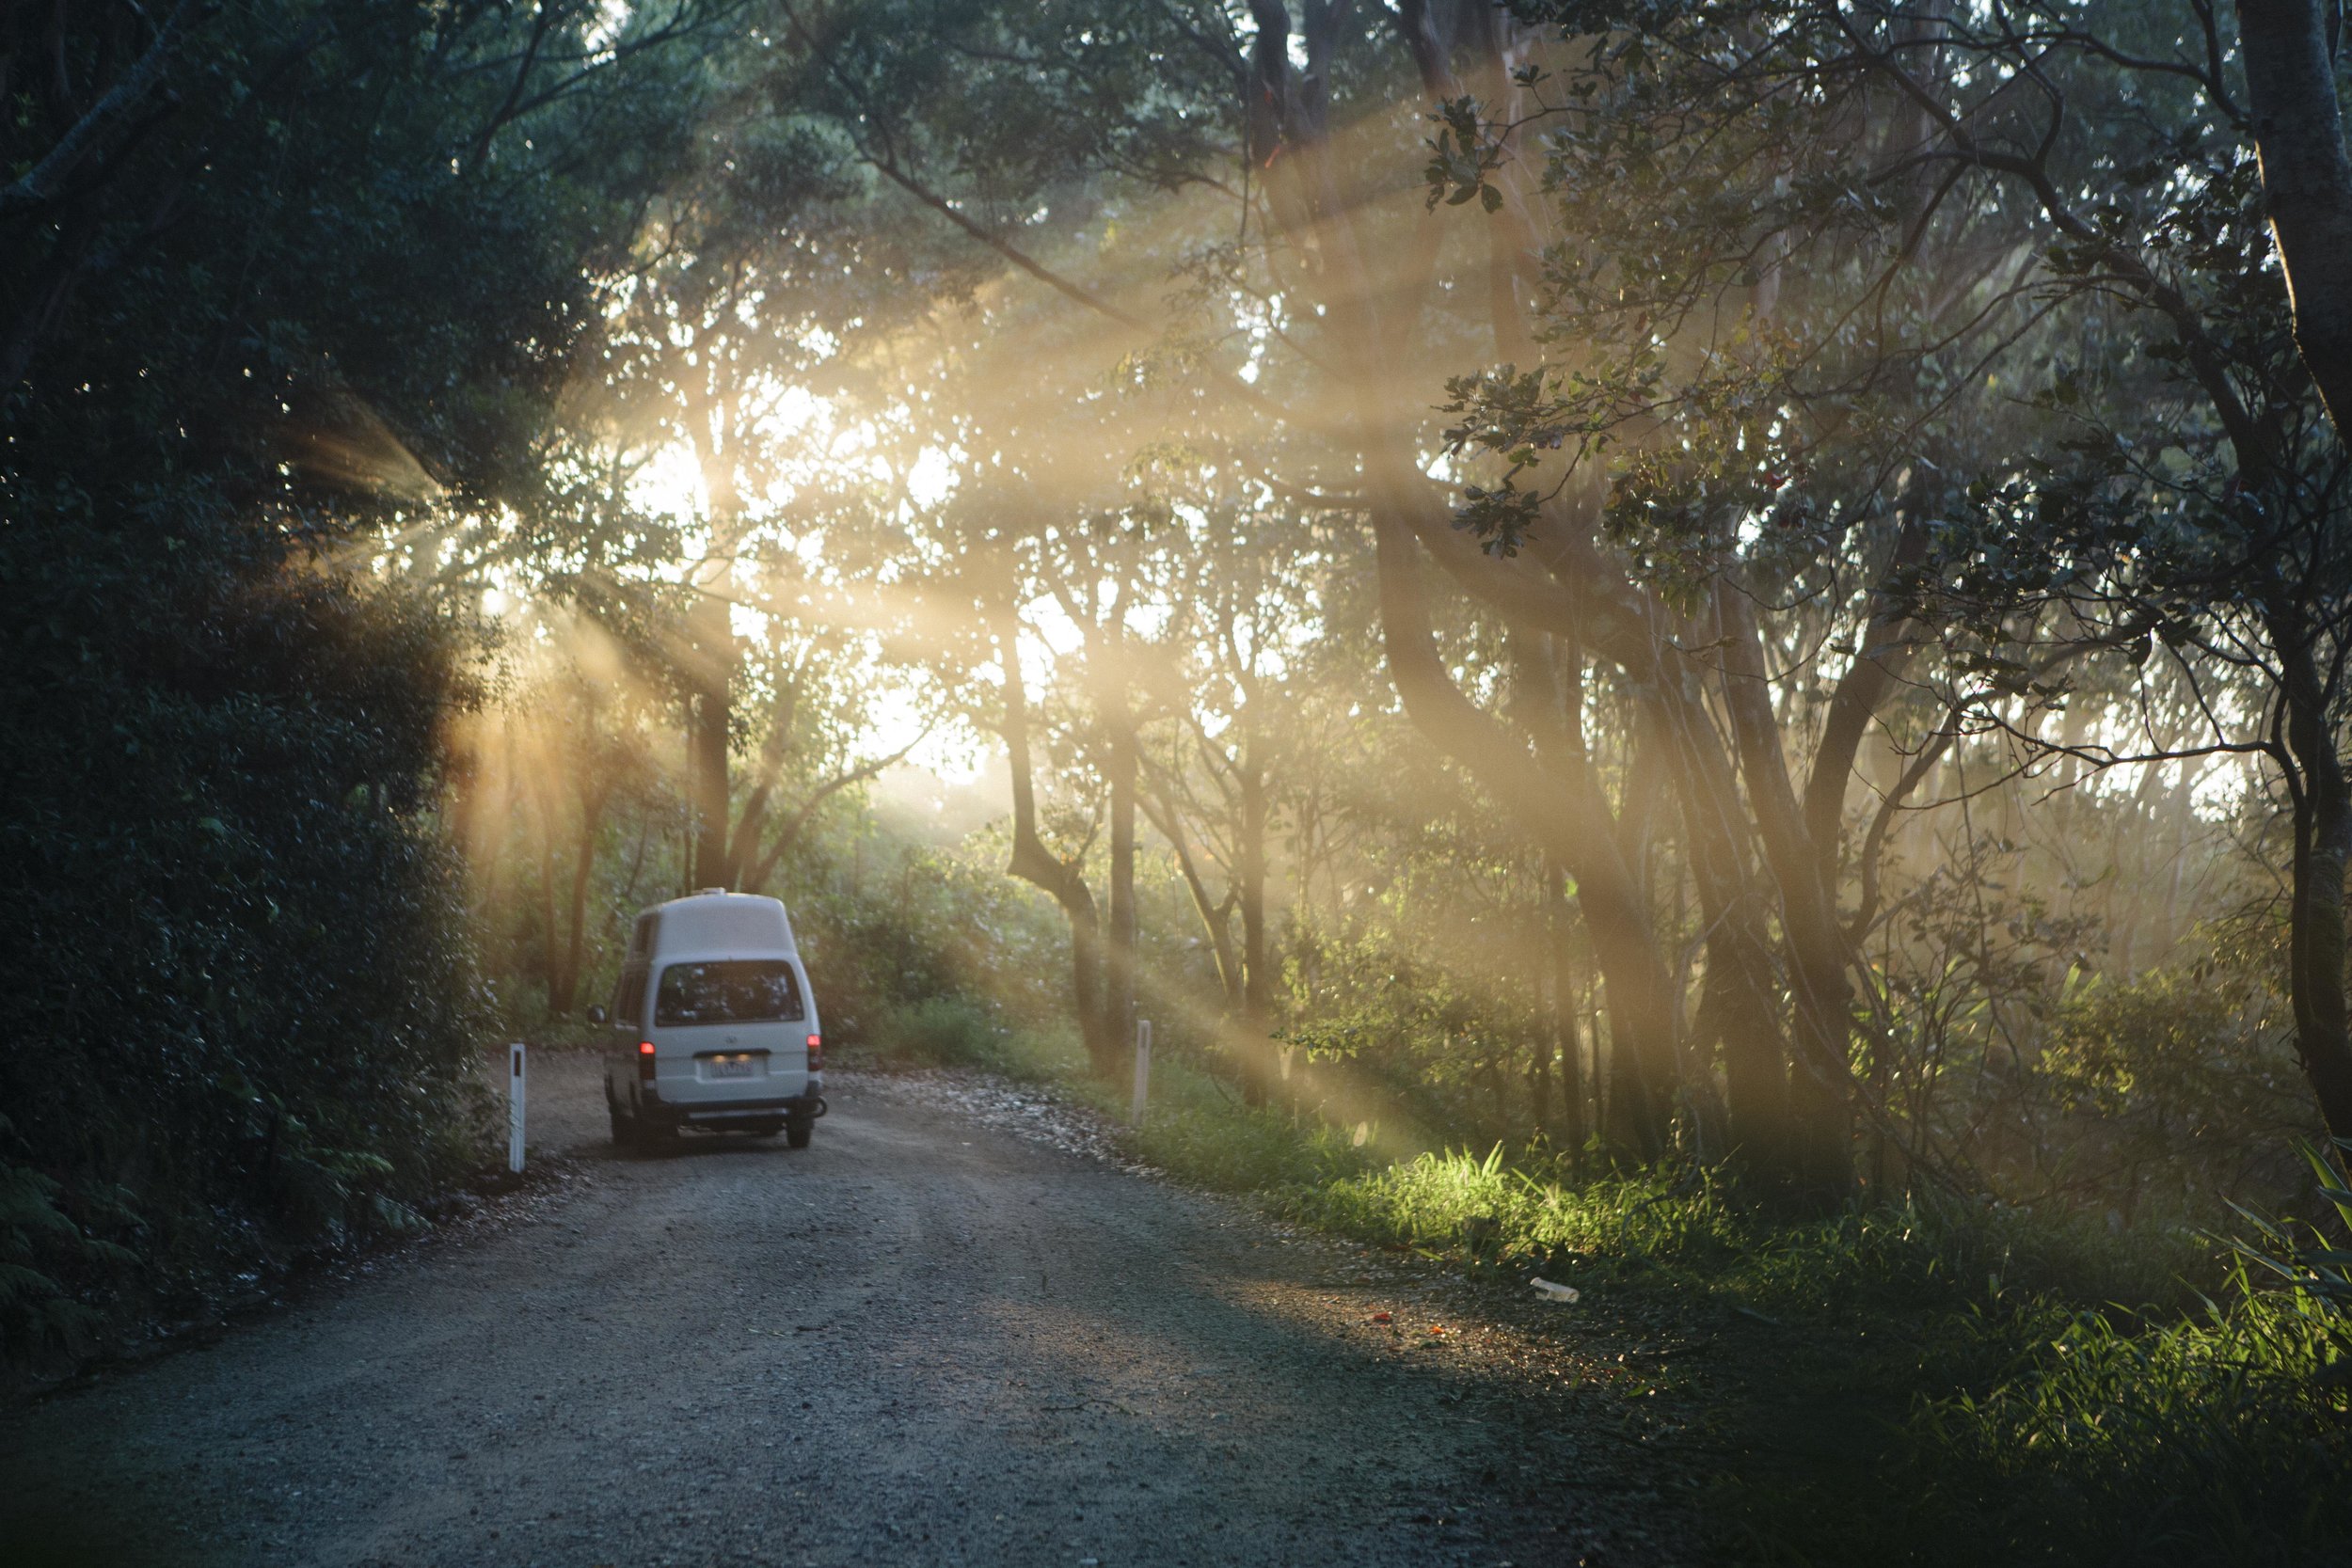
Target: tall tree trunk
1033	863
1217	920
1564	1040
1563	810
1257	1009
2323	849
1821	1102
551	950
1088	996
1644	1065
1739	1008
2288	47
493	823
1539	1053
1118	966
715	654
566	991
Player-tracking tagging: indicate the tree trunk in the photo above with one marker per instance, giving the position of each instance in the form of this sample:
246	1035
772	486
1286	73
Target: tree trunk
561	995
1563	811
1564	1040
1040	867
1257	1008
550	951
1217	920
1119	965
715	654
1088	996
2323	849
2307	179
1739	1007
1643	1063
1820	1103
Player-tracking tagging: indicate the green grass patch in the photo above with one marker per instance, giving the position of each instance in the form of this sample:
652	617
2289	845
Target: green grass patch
1198	1130
1935	1384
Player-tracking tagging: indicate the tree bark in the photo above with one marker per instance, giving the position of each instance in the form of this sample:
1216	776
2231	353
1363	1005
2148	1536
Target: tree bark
1820	1098
709	715
1257	1009
1118	967
751	823
1739	1007
2323	849
1216	919
1564	815
2307	181
1034	863
1564	1045
566	991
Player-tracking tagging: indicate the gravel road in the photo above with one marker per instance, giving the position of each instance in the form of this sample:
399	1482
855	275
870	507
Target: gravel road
943	1334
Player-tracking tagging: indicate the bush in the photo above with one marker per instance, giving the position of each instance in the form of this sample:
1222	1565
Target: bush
938	1031
1233	1149
2128	1436
246	1009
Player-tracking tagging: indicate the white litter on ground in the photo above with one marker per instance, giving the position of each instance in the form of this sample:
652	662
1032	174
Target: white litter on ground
1550	1291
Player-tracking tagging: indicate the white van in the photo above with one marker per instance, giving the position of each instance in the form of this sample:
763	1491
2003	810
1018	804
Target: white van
714	1025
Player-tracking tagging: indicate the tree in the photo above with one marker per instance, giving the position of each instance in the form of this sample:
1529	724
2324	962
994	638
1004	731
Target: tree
287	295
2297	123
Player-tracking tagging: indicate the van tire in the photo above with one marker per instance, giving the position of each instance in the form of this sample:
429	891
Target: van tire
797	1131
623	1128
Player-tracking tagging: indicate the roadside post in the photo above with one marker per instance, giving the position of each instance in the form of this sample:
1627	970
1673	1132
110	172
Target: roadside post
516	1082
1143	1068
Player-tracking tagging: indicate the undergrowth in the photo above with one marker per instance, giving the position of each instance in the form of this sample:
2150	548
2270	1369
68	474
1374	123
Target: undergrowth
1941	1382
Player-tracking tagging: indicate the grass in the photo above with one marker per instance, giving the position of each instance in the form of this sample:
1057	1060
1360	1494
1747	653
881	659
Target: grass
1935	1385
1939	1384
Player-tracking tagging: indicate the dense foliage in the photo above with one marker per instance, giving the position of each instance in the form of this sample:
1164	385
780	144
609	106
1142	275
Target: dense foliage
278	280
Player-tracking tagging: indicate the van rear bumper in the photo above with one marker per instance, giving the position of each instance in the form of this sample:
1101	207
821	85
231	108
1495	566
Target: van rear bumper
727	1113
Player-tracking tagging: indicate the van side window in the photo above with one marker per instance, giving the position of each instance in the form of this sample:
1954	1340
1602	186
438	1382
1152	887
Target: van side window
630	1006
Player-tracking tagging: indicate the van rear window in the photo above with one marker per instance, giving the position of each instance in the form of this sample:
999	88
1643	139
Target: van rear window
733	991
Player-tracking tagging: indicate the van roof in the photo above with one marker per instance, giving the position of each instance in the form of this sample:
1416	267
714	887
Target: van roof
716	923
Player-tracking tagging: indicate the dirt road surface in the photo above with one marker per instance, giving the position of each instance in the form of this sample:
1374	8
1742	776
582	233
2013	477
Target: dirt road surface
937	1336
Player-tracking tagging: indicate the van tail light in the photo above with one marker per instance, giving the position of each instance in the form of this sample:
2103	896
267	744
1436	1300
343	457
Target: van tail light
816	1052
644	1060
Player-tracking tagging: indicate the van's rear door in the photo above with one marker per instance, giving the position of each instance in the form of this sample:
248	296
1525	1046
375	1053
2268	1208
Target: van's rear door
727	1029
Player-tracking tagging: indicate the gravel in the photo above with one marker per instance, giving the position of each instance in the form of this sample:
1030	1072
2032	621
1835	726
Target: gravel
955	1330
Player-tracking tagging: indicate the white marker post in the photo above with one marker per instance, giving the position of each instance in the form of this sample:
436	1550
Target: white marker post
515	1082
1143	1066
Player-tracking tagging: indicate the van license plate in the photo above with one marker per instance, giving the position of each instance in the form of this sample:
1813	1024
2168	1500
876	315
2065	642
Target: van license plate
740	1068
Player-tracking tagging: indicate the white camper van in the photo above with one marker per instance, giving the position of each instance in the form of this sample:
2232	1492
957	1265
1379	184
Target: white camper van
714	1025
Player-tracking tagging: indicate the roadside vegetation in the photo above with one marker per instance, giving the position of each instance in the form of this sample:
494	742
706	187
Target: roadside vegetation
1938	1382
1701	648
